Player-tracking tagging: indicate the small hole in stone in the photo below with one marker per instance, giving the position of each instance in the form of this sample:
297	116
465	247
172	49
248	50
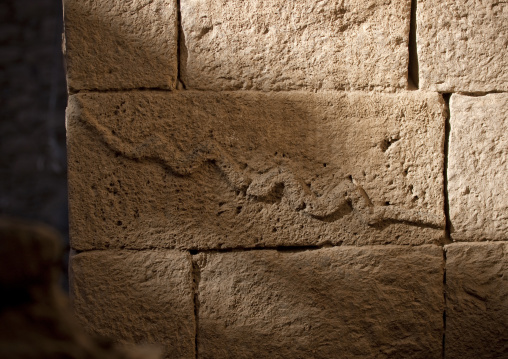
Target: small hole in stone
119	223
324	164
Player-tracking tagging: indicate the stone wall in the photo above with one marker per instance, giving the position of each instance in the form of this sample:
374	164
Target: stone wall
279	179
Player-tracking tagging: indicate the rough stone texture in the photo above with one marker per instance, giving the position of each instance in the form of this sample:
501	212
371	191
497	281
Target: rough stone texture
211	170
117	44
291	45
462	45
477	300
35	318
478	167
136	297
352	302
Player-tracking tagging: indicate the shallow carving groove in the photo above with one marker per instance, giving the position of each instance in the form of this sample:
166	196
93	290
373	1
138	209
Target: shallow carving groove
251	169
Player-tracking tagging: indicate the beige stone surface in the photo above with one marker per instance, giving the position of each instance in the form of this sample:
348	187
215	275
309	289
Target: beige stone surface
142	297
478	167
477	300
348	302
462	45
220	170
117	44
274	45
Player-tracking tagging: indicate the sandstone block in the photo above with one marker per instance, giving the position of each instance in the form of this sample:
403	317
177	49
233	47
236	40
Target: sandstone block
477	300
203	170
295	45
115	44
136	297
352	302
462	45
477	167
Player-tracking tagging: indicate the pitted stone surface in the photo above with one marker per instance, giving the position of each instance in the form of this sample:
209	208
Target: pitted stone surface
117	44
478	167
222	170
462	45
136	297
361	302
274	45
477	300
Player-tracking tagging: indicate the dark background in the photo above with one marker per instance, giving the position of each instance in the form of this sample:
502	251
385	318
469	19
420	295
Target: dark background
33	96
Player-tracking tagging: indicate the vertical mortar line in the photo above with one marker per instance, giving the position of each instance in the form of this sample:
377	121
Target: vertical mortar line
413	68
446	98
179	48
196	276
443	345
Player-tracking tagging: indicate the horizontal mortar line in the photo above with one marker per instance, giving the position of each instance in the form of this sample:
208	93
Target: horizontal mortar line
472	93
295	91
194	251
120	90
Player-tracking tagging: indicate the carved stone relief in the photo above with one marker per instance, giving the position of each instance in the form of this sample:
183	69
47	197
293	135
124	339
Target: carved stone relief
206	170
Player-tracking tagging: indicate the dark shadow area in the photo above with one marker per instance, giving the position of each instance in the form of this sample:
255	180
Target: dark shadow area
33	97
413	74
36	319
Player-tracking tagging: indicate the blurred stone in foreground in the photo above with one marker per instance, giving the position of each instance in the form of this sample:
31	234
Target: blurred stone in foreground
36	320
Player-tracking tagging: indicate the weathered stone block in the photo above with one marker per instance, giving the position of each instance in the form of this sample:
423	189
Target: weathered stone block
478	167
116	44
349	302
462	45
477	300
221	170
136	297
294	45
